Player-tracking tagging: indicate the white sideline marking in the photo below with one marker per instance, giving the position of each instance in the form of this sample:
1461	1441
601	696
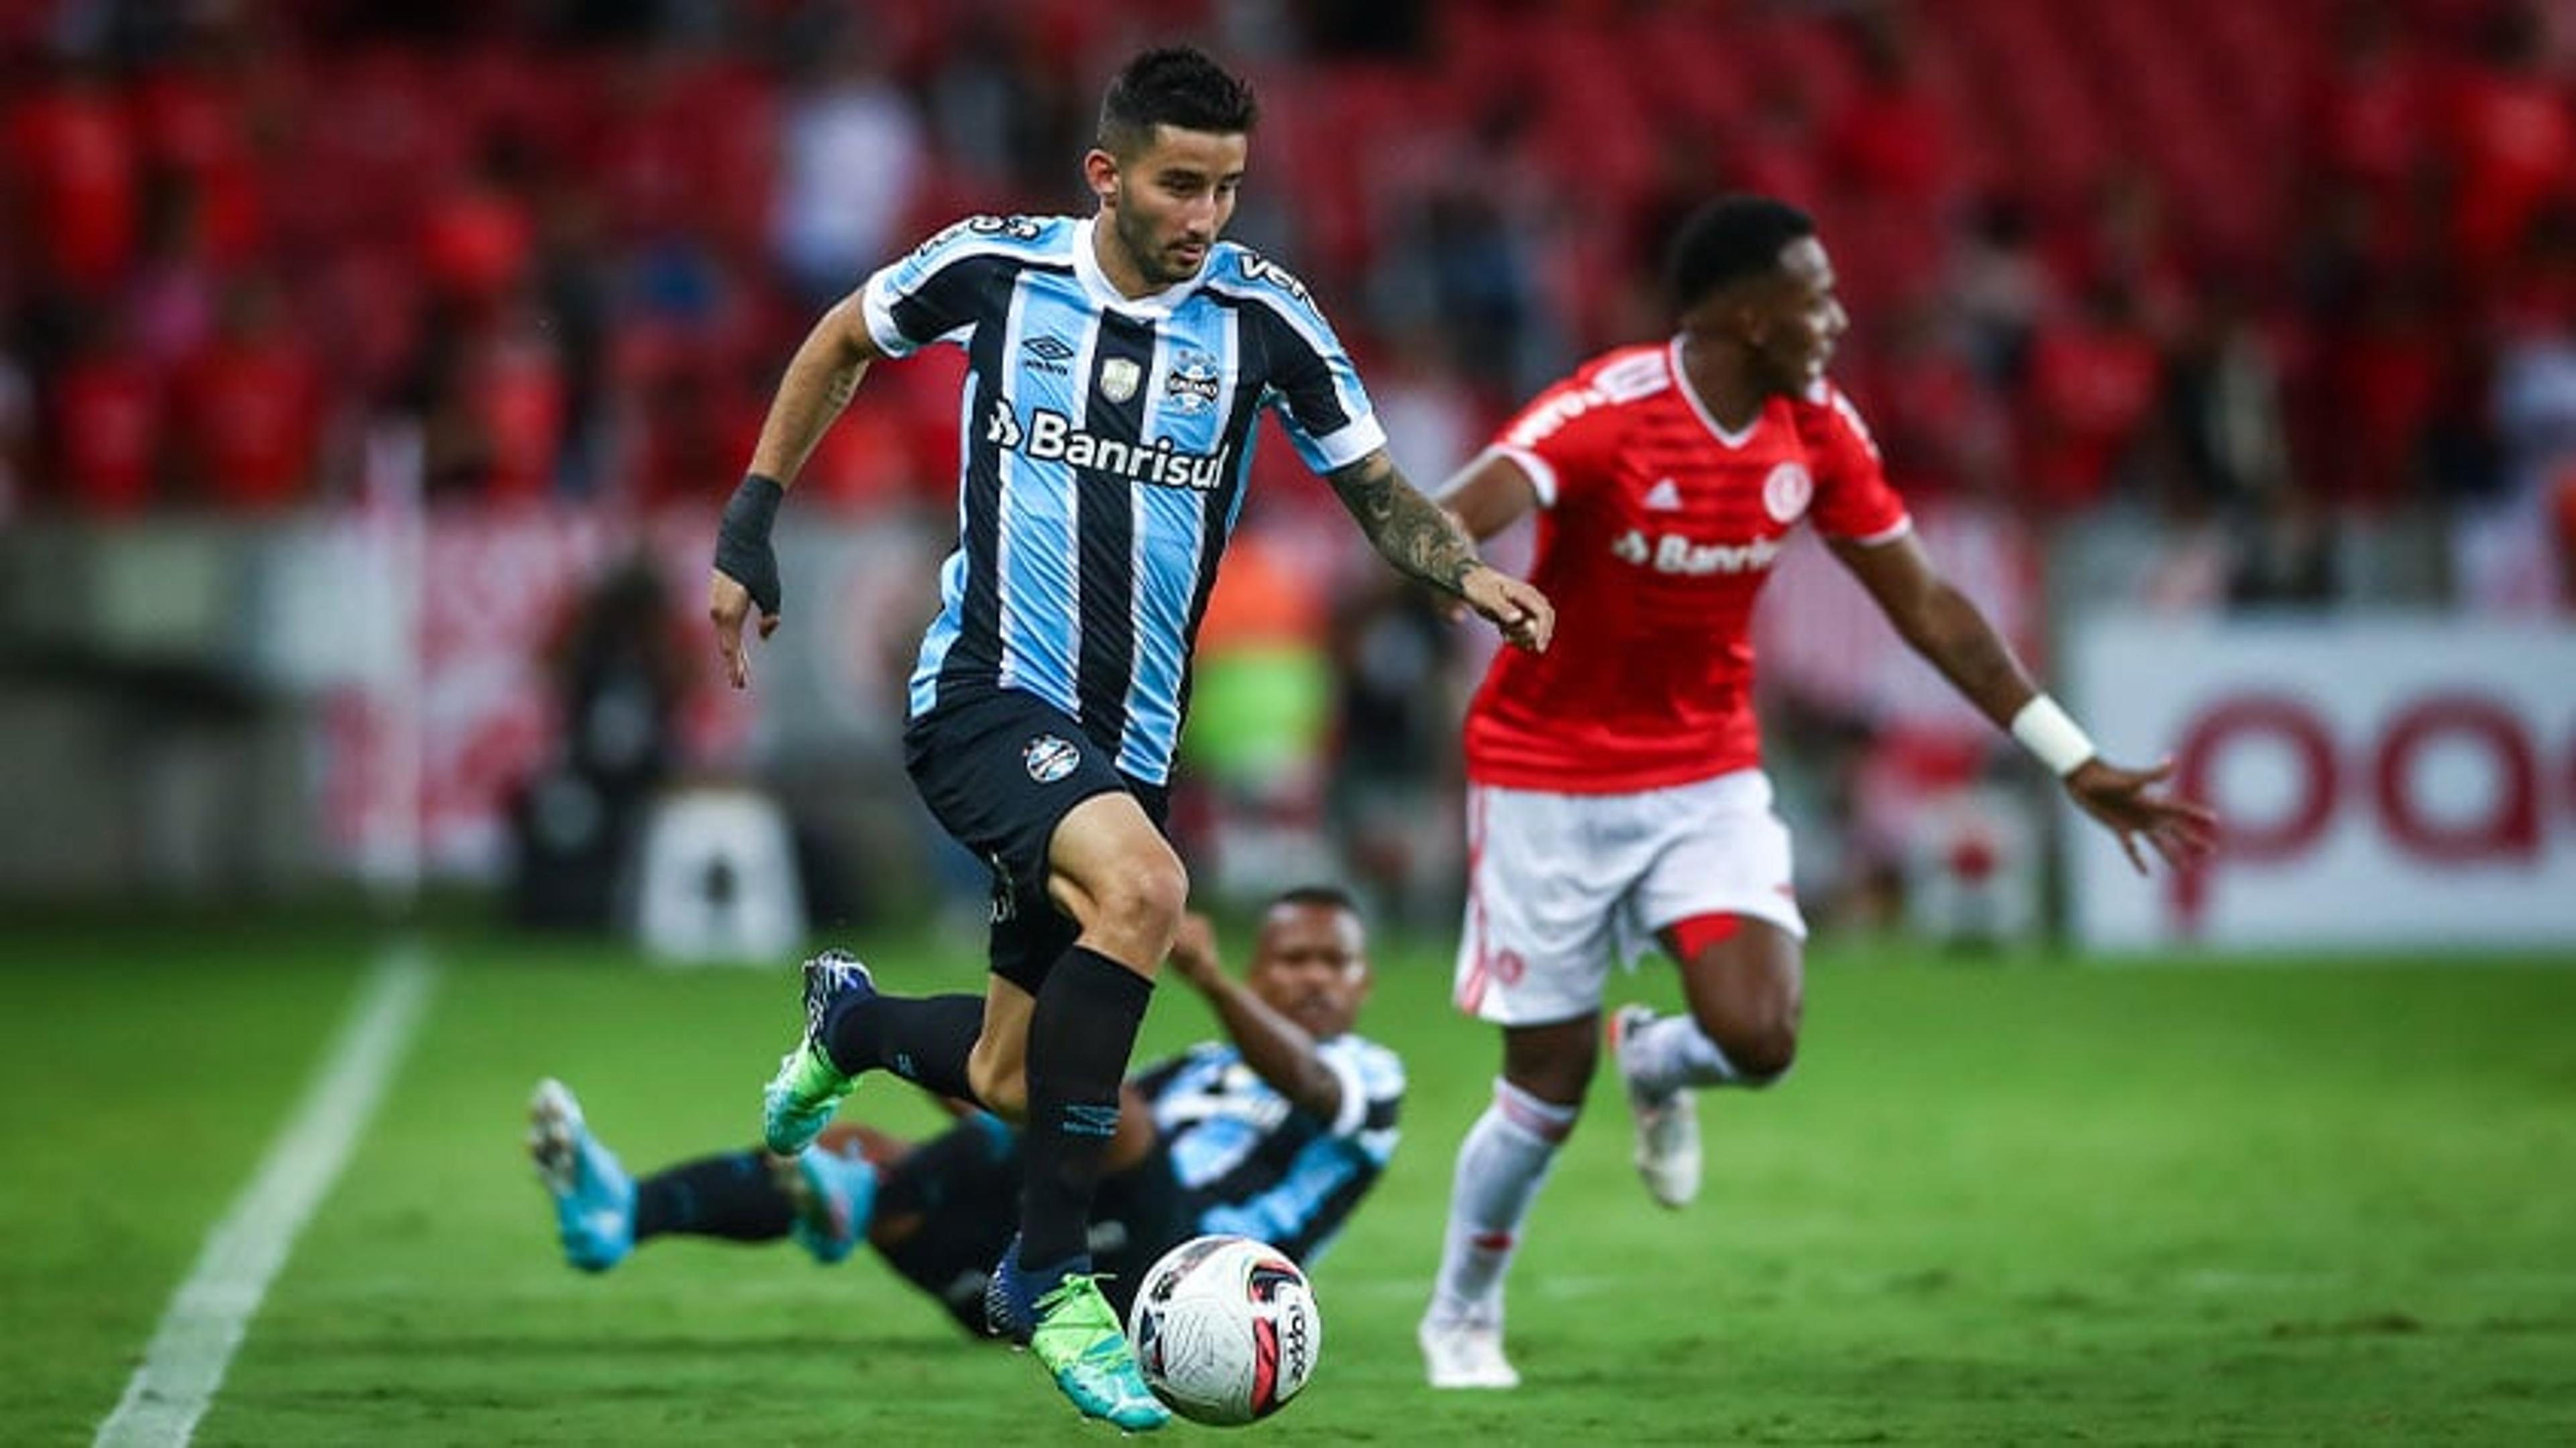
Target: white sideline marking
194	1344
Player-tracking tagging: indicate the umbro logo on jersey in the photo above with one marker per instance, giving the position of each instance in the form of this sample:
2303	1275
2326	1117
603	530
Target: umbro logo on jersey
1048	354
1052	437
1664	497
1673	553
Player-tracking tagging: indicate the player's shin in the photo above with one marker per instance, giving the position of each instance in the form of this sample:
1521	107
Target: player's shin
1080	1034
731	1196
1501	1165
925	1041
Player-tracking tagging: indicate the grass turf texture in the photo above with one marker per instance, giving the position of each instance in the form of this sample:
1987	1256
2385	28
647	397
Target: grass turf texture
1995	1204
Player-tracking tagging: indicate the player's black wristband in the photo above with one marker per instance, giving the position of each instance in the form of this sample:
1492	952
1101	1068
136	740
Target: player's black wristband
743	551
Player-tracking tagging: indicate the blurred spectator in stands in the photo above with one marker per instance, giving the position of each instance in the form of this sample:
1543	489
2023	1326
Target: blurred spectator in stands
2092	387
105	421
17	436
1999	286
478	237
852	152
1941	426
490	393
76	204
2222	400
619	674
573	277
170	300
2511	142
1260	709
247	408
2370	115
1366	29
1394	781
2535	413
197	117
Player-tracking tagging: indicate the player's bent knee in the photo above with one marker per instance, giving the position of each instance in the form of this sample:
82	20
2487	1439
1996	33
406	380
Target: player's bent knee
1002	1090
1143	901
1764	1053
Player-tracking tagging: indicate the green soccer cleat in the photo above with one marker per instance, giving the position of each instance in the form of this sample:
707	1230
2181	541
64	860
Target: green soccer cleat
1078	1338
799	1101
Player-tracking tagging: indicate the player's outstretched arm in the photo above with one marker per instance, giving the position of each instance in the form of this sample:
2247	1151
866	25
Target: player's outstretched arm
1953	634
1414	534
1488	495
1277	1049
820	380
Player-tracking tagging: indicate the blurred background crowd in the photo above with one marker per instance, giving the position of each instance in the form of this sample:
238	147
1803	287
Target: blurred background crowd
2195	305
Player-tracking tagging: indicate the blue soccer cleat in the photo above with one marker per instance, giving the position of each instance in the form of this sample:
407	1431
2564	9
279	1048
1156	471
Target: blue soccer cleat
799	1101
834	1196
594	1197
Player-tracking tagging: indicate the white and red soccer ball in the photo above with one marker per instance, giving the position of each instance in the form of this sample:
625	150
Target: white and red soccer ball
1225	1329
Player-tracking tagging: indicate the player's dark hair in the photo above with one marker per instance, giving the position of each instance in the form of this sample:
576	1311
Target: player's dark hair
1329	897
1172	85
1727	240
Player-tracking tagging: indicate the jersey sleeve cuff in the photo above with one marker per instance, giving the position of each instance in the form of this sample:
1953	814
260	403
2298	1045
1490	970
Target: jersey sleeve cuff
1355	1096
1542	473
876	304
1888	534
1353	441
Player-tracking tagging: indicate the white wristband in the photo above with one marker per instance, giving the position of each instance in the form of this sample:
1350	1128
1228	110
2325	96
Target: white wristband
2049	733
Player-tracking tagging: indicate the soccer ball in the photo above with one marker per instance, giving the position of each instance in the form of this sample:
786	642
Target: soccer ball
1225	1329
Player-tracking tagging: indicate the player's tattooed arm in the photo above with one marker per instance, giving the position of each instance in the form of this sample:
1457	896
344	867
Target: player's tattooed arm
1424	540
1406	528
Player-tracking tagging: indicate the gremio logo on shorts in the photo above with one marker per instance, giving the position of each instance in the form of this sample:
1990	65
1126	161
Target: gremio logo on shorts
1051	437
1049	759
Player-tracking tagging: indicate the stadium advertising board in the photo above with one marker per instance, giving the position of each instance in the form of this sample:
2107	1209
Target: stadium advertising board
2385	782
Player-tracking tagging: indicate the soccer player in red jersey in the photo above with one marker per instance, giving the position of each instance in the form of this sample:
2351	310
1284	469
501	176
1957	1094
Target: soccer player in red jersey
1616	795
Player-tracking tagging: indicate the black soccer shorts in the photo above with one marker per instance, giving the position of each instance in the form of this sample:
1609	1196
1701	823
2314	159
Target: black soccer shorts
1000	769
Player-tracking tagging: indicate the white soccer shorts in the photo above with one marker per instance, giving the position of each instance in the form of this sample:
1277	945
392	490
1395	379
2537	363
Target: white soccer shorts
1561	885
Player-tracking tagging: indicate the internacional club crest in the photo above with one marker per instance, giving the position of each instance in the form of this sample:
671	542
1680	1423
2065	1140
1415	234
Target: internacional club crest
1049	759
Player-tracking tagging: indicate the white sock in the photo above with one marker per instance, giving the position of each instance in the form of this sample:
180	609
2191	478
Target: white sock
1671	1052
1501	1165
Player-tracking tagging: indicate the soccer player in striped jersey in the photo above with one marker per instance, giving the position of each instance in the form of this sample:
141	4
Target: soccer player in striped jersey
1276	1132
1616	796
1116	366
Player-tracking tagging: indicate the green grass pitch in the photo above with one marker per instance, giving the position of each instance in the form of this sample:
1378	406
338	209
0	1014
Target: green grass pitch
1995	1204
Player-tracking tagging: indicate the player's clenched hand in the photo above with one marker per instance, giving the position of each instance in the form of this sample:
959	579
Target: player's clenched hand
1194	951
1519	610
2131	805
729	604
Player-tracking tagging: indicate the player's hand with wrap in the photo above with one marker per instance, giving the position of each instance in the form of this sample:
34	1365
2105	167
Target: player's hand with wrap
2131	804
746	572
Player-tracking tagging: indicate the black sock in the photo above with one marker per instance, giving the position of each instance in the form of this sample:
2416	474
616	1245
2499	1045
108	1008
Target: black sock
924	1039
730	1196
1079	1036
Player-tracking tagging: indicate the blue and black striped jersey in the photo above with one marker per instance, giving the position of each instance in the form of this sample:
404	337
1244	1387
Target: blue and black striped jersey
1252	1165
1105	442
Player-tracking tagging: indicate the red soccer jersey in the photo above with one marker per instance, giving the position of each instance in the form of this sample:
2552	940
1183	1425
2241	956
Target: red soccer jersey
1656	531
